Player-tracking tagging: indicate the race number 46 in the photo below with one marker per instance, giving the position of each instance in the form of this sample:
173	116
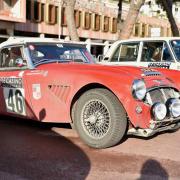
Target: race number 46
14	99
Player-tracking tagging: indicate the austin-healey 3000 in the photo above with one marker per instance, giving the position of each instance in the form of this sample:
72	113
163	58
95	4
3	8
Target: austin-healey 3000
55	81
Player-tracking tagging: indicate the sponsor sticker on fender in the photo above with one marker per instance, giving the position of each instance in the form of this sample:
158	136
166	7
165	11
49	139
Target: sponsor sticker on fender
36	91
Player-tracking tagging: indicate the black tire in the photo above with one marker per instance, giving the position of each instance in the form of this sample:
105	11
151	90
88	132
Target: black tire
100	118
73	115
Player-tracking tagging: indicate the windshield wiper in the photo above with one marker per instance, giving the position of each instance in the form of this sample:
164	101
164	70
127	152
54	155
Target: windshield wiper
40	61
50	61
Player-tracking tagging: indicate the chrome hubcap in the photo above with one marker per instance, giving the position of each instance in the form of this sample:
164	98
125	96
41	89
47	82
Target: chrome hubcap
92	119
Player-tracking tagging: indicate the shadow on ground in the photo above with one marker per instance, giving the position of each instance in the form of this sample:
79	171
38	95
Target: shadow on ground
152	169
30	150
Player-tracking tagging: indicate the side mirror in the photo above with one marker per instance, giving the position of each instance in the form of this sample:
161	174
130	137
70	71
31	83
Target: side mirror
20	62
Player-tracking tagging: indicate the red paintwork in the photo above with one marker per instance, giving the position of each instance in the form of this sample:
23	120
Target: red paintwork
174	75
61	82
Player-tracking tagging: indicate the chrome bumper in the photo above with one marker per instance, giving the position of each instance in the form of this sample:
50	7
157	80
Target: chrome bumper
151	132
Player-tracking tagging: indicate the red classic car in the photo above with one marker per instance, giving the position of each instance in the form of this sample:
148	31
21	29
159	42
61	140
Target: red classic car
53	81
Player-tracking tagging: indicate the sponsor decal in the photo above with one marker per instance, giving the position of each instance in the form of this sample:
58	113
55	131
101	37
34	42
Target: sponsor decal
14	95
59	45
148	70
165	65
21	74
45	73
36	91
158	81
11	82
38	72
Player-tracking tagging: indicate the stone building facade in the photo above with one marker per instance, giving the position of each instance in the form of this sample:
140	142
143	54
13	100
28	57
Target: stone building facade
96	20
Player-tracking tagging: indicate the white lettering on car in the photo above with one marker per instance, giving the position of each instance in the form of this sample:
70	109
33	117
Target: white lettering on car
14	94
160	65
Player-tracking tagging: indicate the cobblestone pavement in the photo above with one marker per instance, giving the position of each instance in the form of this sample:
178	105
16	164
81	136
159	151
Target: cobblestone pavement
30	150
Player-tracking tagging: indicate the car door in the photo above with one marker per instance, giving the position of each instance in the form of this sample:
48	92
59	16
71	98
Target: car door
13	88
46	91
156	54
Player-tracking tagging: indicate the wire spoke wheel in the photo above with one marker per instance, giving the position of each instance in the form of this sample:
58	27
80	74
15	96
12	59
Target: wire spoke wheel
95	118
99	118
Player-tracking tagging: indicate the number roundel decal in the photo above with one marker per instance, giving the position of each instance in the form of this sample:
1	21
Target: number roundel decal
14	95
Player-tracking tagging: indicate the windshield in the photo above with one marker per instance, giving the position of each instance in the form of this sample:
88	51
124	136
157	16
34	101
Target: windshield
46	53
176	48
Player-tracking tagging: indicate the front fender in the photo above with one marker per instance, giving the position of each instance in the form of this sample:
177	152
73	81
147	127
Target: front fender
121	88
173	75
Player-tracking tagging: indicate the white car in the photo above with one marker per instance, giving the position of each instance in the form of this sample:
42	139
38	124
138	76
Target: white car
149	52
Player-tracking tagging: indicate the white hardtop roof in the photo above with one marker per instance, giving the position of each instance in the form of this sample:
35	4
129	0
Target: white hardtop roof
150	39
116	43
15	41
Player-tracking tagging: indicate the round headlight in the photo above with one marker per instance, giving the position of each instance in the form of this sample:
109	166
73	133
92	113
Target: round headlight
174	107
139	89
159	111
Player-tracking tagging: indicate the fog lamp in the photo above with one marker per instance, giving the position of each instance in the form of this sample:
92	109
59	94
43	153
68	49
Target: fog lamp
174	107
159	111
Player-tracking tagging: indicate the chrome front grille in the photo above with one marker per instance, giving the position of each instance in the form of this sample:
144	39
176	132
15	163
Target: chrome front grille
152	73
161	95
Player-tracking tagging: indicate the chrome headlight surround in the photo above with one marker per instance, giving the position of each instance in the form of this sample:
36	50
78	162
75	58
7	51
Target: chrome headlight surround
159	111
174	107
139	89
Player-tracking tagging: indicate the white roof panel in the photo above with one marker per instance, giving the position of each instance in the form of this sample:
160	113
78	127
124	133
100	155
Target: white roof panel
14	41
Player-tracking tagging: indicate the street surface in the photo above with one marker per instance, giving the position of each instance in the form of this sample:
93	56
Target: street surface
30	150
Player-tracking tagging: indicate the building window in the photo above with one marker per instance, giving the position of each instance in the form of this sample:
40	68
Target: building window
36	11
28	10
105	23
136	29
86	20
113	25
143	34
63	17
42	11
50	14
77	18
95	22
146	30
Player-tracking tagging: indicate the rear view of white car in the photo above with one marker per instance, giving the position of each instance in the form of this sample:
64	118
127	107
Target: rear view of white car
148	52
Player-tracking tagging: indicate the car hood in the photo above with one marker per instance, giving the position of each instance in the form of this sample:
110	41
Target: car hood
128	70
152	77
